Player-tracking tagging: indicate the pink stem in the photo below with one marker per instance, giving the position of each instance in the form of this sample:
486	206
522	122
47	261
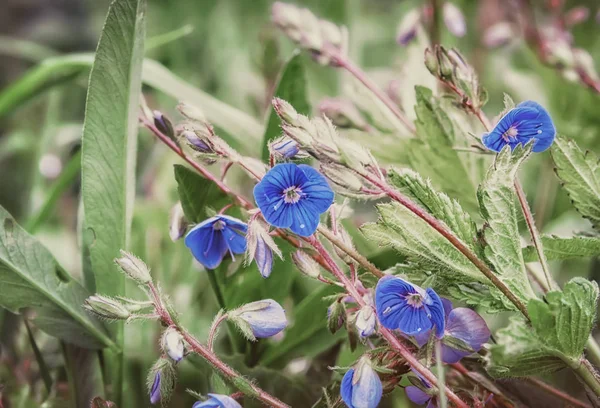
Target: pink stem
213	330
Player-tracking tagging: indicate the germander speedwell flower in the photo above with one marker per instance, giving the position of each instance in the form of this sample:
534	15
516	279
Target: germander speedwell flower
293	196
210	240
527	121
408	308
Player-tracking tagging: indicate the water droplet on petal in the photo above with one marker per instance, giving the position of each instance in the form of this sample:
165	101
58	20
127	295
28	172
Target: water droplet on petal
539	131
302	225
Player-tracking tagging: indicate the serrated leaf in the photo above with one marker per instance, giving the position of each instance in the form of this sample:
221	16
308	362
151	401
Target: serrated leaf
434	155
498	206
580	175
291	88
109	151
558	248
31	278
565	320
519	353
197	194
412	237
437	204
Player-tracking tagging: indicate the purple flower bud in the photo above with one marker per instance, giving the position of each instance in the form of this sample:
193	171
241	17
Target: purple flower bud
284	148
217	401
265	318
163	124
407	29
454	20
263	257
361	386
196	143
155	390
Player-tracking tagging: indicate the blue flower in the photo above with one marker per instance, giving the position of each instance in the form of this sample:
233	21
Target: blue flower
420	397
529	120
408	308
361	387
293	196
155	389
217	401
210	240
265	317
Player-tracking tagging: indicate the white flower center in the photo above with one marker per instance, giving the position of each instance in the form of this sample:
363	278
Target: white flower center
219	225
511	133
415	300
292	195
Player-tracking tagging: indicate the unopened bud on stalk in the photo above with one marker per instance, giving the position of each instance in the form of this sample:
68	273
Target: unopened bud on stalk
341	177
342	113
408	26
285	111
163	124
172	344
336	314
161	381
284	148
260	247
366	318
197	143
432	63
191	113
306	264
177	222
106	308
264	318
134	268
454	19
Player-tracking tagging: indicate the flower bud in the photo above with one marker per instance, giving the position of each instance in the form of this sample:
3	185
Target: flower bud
366	318
172	344
134	268
191	113
260	247
284	148
299	135
106	308
342	113
177	222
161	381
341	177
264	318
454	20
336	314
432	63
163	124
155	389
407	29
285	111
361	386
306	264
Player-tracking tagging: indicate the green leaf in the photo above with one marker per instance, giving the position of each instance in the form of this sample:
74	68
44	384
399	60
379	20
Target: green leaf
109	151
437	204
433	154
31	278
500	211
557	248
58	70
519	353
565	319
308	335
291	88
580	175
408	234
197	194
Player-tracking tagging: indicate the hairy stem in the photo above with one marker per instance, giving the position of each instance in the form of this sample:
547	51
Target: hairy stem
214	329
243	384
589	376
387	334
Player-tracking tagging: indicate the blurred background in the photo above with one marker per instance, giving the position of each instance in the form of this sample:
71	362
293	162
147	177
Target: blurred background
230	49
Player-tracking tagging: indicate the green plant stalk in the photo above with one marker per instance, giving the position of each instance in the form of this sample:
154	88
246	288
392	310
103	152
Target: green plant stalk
442	400
588	375
212	277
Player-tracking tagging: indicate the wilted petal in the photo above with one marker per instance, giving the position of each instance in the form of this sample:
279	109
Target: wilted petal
466	325
416	395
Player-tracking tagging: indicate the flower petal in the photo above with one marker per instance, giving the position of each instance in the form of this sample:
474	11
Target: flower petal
390	299
465	324
206	245
235	242
305	220
416	395
346	388
316	189
225	401
542	126
412	320
368	390
436	309
234	223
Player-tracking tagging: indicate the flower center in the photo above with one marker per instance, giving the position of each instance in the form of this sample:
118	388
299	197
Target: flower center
511	133
415	300
219	225
292	195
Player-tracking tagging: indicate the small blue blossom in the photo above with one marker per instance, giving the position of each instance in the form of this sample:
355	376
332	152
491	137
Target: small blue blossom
265	317
527	121
361	386
293	196
155	389
210	240
408	308
217	401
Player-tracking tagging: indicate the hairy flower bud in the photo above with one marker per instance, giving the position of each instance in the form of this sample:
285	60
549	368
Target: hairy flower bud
134	267
285	111
341	177
260	247
201	145
285	148
306	264
432	63
361	386
408	26
163	124
161	381
342	113
454	19
106	308
177	222
155	389
366	318
263	318
336	314
172	344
